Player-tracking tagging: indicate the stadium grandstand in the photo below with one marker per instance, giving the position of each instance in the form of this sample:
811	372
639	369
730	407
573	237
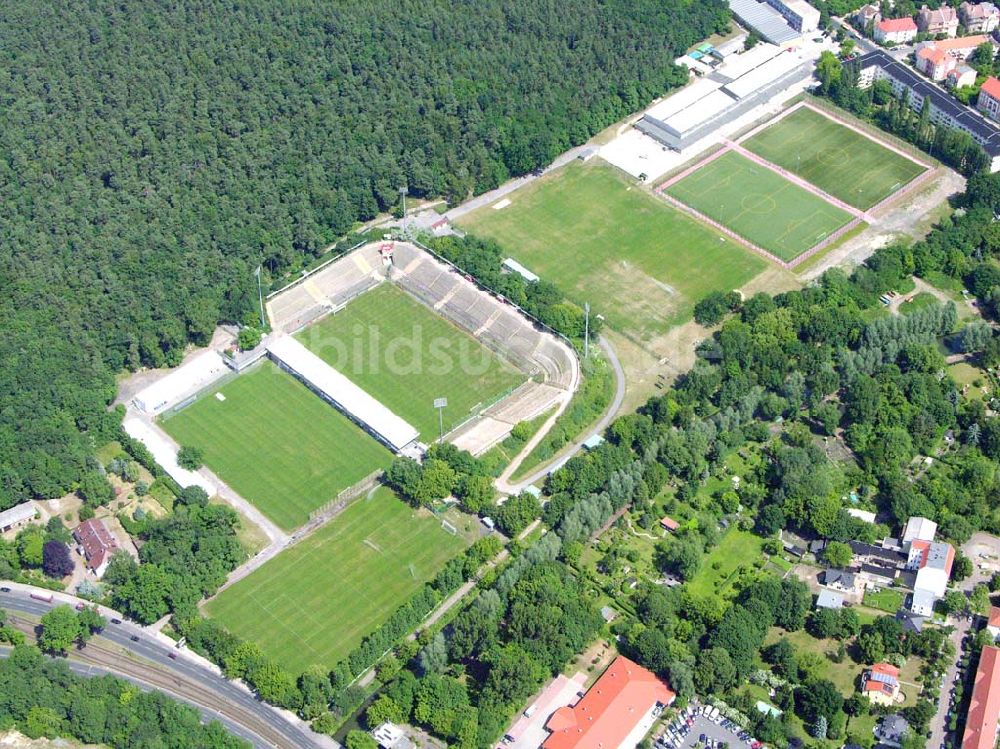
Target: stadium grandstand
499	326
332	386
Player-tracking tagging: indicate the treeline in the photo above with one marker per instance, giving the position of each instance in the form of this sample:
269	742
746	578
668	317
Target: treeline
237	135
183	558
41	697
483	258
892	113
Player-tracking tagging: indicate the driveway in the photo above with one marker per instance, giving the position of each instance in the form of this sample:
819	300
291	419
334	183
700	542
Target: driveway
984	551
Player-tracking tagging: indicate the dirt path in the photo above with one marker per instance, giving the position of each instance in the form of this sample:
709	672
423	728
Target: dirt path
504	484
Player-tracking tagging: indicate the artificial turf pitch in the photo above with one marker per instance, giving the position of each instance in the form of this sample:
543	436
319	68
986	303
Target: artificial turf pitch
838	160
406	356
313	603
639	262
276	443
759	205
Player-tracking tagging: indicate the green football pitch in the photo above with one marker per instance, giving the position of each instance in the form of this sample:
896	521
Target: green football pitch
406	356
313	603
639	262
276	443
836	159
759	205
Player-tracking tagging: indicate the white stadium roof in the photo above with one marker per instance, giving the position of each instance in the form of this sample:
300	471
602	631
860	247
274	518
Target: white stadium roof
762	75
396	432
186	380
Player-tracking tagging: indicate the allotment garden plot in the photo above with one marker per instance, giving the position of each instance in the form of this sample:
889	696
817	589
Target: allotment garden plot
838	159
276	443
600	238
315	602
406	356
759	204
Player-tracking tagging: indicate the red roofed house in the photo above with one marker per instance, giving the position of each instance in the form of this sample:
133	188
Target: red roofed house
993	622
880	684
935	63
616	712
984	707
989	98
96	544
895	31
668	523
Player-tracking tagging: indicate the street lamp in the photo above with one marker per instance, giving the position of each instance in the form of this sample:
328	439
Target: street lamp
403	191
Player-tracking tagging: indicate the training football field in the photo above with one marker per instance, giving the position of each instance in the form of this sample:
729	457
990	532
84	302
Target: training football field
313	603
406	356
639	262
759	205
276	443
838	160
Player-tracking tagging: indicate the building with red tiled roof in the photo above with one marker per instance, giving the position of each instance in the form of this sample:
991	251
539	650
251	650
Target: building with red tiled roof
880	684
96	544
895	30
668	523
935	63
989	98
615	713
993	621
984	707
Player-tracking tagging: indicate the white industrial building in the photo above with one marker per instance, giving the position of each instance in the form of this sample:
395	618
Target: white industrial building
742	82
183	382
334	387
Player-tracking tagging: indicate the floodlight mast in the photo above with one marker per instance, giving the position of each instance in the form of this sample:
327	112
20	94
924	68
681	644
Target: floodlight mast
441	404
403	191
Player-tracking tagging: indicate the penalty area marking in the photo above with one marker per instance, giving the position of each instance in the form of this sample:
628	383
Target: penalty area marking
368	542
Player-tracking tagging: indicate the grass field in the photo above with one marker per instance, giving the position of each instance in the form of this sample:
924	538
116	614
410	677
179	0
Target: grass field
277	444
759	205
404	355
640	263
735	549
838	160
313	603
886	599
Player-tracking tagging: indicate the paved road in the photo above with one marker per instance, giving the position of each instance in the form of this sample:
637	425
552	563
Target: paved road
939	723
216	694
607	418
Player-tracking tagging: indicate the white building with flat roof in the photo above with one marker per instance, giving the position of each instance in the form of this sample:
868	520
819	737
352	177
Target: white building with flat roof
799	14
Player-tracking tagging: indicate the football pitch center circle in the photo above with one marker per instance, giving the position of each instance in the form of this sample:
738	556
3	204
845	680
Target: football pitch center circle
833	156
758	203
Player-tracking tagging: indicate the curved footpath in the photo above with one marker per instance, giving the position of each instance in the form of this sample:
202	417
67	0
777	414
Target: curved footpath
189	677
503	482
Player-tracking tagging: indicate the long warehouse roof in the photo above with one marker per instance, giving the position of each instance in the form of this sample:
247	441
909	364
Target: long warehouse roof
348	396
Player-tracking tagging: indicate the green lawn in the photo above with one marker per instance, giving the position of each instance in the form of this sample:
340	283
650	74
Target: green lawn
405	355
736	548
838	160
918	302
760	205
313	603
640	263
887	600
844	674
277	443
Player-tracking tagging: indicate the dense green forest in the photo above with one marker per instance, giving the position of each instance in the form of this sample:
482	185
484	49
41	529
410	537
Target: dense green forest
152	154
42	697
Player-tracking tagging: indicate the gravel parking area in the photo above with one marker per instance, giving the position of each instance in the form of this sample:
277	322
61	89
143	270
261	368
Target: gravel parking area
694	728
